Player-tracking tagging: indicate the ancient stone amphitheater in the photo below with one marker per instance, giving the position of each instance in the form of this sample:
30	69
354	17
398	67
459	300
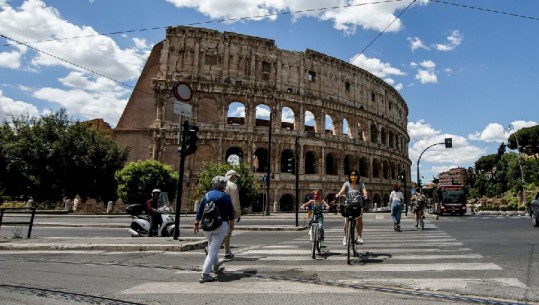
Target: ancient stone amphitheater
341	116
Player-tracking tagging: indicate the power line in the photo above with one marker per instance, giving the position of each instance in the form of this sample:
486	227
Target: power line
486	10
215	21
73	64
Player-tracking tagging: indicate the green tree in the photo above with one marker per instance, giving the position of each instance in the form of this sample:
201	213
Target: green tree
51	157
137	180
528	139
246	182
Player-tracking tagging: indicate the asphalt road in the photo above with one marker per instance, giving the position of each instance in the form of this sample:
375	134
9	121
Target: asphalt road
457	260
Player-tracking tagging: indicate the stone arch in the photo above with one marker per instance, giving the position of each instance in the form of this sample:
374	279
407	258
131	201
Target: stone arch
377	199
310	163
287	202
262	115
348	164
235	113
233	153
331	164
329	125
385	169
391	139
383	136
385	203
310	121
376	168
261	165
364	167
374	133
346	130
288	118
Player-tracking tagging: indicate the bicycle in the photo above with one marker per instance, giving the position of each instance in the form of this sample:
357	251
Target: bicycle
351	212
315	232
419	210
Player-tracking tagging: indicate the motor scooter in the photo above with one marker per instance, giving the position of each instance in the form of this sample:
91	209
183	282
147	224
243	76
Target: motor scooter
140	225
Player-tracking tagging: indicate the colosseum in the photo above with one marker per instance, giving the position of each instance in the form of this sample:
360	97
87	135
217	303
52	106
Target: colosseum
261	104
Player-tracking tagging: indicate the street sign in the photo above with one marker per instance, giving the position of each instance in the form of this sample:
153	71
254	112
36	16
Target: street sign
183	109
182	91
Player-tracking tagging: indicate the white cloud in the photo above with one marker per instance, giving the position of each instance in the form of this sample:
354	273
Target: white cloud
453	40
287	115
357	13
10	60
236	110
495	132
426	72
10	108
416	43
421	129
262	112
309	118
376	66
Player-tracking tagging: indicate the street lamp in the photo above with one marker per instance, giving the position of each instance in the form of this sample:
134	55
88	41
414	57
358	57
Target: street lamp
448	142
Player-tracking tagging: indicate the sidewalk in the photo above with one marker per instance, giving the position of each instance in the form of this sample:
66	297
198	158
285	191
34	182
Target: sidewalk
283	222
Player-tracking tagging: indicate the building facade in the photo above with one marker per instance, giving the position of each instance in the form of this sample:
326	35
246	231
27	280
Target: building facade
336	116
453	176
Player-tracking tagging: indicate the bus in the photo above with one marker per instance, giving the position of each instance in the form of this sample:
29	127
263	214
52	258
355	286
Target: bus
449	199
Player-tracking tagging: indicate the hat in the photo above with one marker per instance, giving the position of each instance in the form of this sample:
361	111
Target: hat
232	173
156	191
218	182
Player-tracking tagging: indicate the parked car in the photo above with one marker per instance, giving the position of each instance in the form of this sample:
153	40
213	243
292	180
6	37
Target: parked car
533	210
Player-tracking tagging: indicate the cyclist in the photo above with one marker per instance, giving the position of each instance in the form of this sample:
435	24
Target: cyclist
355	194
418	204
316	205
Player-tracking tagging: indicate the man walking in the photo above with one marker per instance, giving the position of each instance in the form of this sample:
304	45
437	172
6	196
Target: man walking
232	190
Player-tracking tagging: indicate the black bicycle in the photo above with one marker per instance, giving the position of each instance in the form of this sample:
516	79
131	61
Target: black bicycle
351	212
315	232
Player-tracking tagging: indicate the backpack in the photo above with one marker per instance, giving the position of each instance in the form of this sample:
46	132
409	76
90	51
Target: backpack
211	219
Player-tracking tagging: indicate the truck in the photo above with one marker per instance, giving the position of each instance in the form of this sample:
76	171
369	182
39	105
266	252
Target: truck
450	199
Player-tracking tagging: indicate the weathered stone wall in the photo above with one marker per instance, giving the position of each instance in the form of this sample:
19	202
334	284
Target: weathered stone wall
225	68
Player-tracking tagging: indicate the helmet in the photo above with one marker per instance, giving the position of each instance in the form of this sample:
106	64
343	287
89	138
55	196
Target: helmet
156	191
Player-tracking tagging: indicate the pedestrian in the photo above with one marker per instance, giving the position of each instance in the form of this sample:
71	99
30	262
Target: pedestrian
396	199
316	205
232	190
155	218
215	238
76	203
355	193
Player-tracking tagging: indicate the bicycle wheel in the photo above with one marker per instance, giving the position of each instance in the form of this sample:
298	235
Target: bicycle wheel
354	243
314	238
350	240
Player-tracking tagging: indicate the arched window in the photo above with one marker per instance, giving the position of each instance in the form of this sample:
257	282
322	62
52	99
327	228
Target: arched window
309	121
330	165
260	162
263	115
375	168
310	165
287	118
364	167
288	162
234	155
236	114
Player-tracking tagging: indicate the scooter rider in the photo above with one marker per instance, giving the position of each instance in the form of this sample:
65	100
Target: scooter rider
155	219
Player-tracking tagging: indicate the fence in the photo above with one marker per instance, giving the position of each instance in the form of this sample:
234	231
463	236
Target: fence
21	210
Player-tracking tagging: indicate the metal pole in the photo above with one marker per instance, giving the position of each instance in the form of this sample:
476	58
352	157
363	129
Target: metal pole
297	180
419	179
266	212
180	181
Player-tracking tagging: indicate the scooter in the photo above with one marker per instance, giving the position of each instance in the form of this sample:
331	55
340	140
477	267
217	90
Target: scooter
140	225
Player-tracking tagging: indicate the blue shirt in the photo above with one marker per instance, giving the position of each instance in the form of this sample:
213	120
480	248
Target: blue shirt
222	202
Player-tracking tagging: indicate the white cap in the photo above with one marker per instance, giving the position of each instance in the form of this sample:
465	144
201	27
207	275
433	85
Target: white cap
156	191
232	173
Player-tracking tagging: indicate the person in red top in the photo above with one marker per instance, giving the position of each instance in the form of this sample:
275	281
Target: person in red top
155	218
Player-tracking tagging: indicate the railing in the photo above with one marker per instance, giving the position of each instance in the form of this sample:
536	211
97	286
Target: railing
26	210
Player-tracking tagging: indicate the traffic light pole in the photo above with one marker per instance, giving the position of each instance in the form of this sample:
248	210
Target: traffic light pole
182	149
297	180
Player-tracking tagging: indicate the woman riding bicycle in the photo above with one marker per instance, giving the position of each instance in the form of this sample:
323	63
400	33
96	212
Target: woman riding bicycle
355	193
418	204
316	205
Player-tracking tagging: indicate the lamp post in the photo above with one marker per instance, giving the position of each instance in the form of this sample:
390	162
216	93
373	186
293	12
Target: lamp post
448	142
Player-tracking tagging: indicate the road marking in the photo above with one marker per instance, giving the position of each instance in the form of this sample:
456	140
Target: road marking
369	268
440	283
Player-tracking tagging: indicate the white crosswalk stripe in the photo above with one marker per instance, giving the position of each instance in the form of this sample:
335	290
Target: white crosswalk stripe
413	254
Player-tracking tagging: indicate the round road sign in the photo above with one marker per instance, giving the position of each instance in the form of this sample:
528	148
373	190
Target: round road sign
183	92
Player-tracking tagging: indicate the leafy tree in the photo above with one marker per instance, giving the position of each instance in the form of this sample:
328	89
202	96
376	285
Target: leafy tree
246	182
137	180
487	164
528	139
51	157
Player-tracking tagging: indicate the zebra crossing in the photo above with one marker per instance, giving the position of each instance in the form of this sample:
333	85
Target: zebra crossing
430	259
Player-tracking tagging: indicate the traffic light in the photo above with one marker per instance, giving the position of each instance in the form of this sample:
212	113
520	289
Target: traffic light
291	165
448	142
191	139
402	176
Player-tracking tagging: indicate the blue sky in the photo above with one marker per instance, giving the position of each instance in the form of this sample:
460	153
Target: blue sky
467	69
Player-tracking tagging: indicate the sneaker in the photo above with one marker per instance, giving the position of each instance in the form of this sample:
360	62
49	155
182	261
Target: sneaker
206	278
229	255
323	244
217	267
344	243
206	250
359	241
